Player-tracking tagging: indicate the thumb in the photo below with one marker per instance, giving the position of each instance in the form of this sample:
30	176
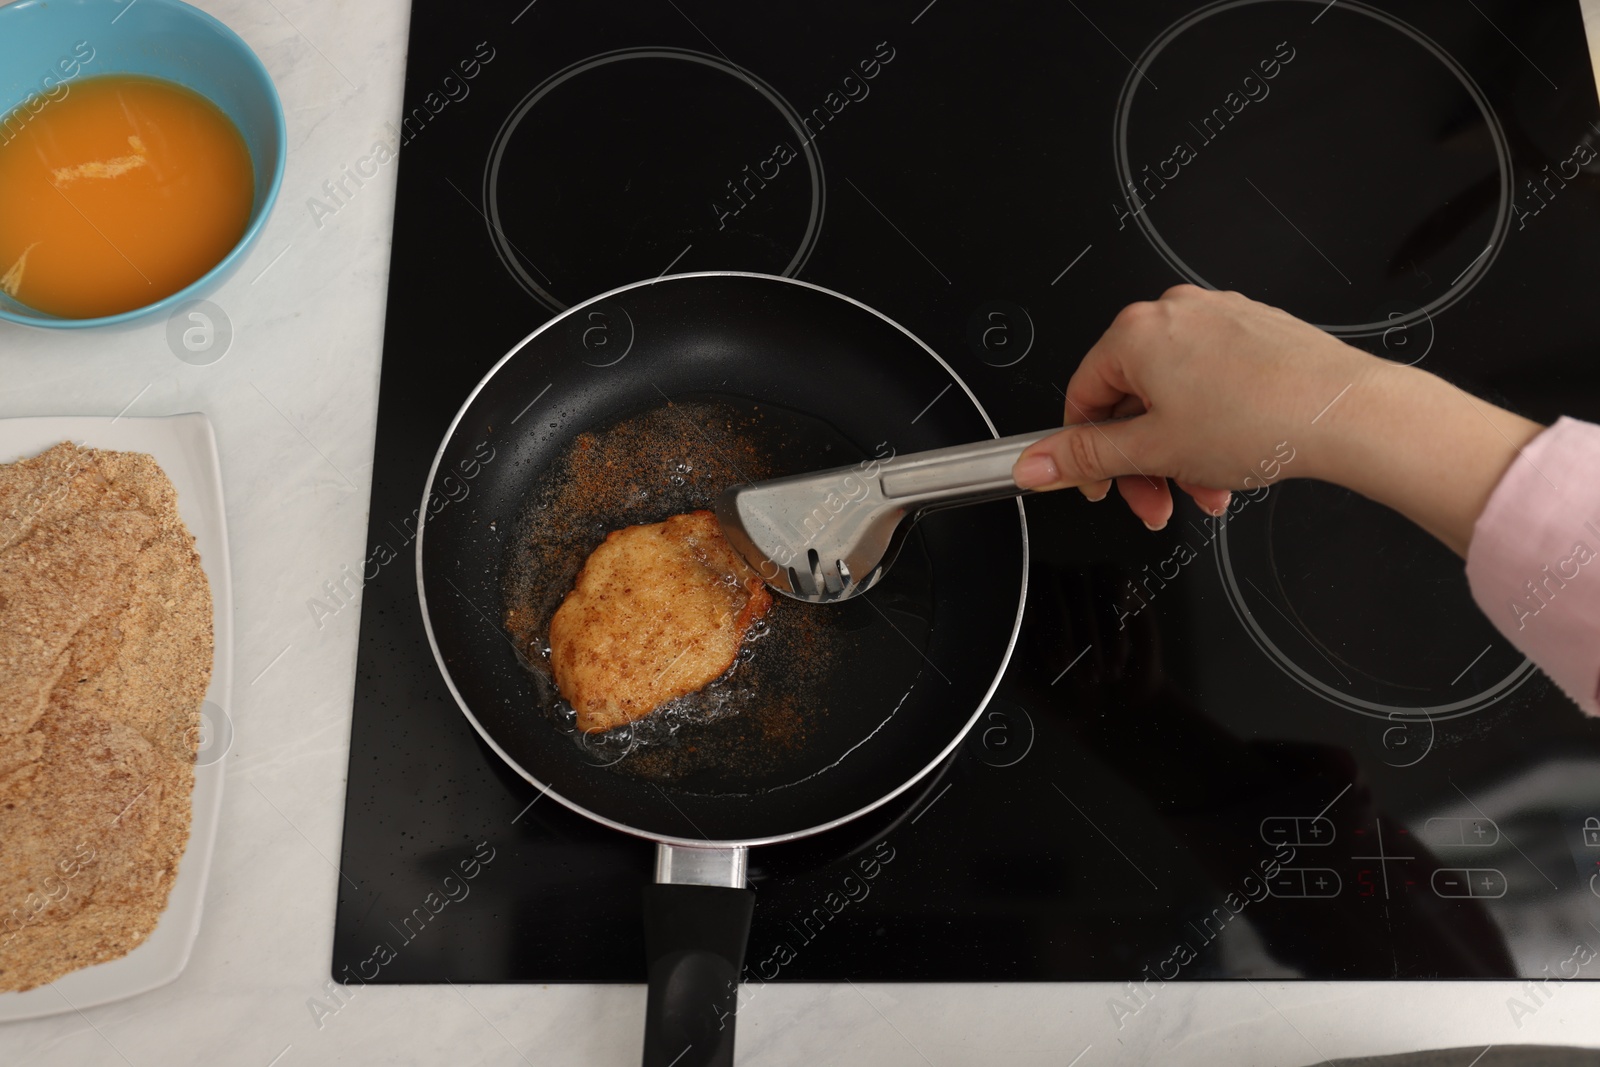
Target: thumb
1080	455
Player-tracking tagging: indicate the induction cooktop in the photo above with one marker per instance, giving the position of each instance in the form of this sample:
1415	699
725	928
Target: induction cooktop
1283	744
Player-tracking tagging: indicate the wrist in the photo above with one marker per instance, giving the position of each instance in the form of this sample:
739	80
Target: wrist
1413	442
1353	402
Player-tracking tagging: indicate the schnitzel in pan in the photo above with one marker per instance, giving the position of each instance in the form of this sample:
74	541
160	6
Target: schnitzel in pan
658	611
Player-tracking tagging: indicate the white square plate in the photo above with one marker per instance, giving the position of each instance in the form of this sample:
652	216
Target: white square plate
187	450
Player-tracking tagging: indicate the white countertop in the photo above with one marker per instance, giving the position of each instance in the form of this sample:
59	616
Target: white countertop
294	404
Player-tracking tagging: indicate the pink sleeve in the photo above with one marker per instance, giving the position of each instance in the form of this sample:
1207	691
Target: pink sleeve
1534	563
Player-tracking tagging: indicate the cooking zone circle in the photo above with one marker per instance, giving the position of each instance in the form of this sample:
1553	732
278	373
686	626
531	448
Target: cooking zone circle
653	143
1360	608
1243	119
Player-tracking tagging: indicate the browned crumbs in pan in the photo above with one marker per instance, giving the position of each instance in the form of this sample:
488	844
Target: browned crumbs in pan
662	462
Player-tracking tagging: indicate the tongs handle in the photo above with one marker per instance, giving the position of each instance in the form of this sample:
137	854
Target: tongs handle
960	474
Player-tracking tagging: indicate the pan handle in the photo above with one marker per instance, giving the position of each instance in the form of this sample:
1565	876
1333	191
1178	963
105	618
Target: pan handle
696	926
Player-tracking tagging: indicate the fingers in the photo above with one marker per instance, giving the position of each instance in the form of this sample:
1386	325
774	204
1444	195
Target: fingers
1081	455
1148	498
1128	405
1101	384
1098	390
1211	501
1133	386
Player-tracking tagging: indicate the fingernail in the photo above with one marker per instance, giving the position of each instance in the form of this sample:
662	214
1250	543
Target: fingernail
1156	529
1217	512
1096	499
1034	471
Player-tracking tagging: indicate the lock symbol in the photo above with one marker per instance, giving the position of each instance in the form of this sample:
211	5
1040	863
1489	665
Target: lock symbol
1591	832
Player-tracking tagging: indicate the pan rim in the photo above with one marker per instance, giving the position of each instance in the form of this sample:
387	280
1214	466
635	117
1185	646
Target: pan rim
668	839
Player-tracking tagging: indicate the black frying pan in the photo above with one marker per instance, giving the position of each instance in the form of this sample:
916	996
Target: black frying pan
909	666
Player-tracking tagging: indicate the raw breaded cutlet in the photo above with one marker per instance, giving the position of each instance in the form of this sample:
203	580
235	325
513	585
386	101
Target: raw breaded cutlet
105	655
658	611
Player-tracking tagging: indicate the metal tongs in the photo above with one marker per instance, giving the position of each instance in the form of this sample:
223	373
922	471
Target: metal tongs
827	536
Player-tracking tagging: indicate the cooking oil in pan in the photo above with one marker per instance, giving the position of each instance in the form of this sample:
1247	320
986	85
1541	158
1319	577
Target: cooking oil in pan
769	714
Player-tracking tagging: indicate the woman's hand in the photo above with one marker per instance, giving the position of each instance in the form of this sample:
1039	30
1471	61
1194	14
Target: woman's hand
1213	389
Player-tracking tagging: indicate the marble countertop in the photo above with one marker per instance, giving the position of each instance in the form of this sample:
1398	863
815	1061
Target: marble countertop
294	403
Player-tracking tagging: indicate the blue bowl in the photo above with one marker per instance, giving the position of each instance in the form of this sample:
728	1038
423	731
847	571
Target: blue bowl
43	44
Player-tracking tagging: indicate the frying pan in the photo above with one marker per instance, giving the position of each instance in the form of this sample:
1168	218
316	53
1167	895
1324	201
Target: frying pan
925	649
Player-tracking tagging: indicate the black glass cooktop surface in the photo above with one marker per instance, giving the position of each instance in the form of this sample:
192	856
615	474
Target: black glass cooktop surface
1283	745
